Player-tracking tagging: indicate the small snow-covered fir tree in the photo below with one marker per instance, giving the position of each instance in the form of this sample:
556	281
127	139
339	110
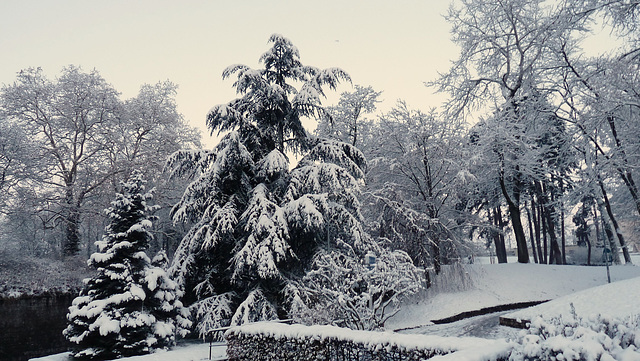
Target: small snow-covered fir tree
125	309
257	224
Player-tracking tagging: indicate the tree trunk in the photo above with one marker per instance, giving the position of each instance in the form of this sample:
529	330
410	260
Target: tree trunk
501	251
72	224
613	246
588	251
616	227
533	241
436	258
541	212
562	225
563	236
536	225
555	253
596	223
516	221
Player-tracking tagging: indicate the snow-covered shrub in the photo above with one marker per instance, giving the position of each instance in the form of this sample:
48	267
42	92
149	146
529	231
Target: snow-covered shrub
272	341
341	290
130	306
163	302
597	338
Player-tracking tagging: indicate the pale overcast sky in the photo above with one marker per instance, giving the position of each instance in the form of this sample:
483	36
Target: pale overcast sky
394	46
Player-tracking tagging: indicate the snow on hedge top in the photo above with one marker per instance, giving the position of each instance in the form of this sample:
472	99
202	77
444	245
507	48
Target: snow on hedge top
619	299
478	347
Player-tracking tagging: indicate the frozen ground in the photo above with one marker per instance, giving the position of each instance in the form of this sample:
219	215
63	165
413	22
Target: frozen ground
490	285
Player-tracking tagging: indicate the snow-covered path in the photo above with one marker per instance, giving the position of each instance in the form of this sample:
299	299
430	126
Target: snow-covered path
485	326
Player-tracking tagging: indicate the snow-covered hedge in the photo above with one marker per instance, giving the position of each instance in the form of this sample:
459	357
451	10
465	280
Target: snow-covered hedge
273	341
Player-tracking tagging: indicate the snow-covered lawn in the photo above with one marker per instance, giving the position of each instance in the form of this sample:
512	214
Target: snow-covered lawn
500	284
618	299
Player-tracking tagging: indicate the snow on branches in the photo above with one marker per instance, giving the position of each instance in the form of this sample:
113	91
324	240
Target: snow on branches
131	306
257	224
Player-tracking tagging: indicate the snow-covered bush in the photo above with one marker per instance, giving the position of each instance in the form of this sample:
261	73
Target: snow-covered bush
130	306
341	290
163	302
597	338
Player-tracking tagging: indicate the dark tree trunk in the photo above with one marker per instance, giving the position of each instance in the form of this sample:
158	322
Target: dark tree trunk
596	223
616	227
563	236
588	251
541	212
501	251
71	246
555	255
613	246
555	250
562	225
518	230
536	225
436	258
516	221
533	242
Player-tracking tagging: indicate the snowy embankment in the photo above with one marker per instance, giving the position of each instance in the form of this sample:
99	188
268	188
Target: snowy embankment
618	299
30	276
502	284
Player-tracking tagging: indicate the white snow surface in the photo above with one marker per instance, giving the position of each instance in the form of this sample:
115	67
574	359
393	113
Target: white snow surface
188	352
621	300
500	284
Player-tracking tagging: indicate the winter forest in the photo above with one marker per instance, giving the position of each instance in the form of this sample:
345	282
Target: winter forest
532	156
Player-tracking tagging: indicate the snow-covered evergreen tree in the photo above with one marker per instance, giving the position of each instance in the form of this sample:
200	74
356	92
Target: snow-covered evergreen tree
125	309
257	225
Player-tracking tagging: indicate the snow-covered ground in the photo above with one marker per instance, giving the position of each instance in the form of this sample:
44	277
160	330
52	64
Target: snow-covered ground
192	351
500	284
619	298
491	285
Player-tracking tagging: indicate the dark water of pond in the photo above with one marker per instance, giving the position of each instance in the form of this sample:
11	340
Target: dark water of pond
32	327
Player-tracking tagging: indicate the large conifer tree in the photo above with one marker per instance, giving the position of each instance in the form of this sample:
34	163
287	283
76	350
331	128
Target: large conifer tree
257	224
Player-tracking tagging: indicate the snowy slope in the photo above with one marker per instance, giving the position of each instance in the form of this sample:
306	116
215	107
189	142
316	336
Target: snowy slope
499	284
619	298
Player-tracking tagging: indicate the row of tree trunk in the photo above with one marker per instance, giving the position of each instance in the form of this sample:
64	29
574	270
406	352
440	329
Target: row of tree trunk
544	216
